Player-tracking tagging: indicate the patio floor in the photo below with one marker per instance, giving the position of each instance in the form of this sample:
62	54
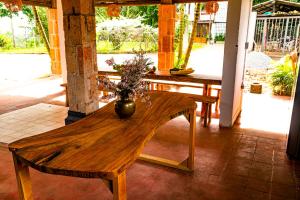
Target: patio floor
245	162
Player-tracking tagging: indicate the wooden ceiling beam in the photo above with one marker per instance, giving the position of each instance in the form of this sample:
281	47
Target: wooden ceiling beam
43	3
101	3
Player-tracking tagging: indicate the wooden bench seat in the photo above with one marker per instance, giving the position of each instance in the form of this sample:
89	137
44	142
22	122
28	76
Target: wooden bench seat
207	101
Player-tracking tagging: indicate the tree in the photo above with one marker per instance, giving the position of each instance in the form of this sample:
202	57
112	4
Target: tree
181	33
4	12
101	14
34	14
193	34
41	29
149	14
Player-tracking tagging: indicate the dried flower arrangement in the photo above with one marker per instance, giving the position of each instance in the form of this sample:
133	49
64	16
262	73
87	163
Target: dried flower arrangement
132	85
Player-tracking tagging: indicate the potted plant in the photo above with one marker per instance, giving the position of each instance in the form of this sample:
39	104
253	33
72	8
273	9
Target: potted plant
131	85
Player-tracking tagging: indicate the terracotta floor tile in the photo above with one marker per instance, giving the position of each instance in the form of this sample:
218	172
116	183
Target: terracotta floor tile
258	185
283	190
251	194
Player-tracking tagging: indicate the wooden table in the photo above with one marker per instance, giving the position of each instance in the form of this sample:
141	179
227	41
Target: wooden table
206	80
192	80
102	145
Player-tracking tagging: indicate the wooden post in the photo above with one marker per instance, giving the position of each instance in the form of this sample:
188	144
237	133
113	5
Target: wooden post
81	57
166	31
23	179
54	41
119	187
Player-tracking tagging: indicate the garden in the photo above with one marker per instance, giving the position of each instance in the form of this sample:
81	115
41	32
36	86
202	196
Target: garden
135	28
278	77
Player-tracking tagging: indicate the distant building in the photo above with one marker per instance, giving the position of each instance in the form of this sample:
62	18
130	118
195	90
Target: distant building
277	26
217	22
277	8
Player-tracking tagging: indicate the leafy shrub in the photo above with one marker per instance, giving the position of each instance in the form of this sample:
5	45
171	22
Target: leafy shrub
31	43
282	80
116	38
5	42
103	35
220	37
127	30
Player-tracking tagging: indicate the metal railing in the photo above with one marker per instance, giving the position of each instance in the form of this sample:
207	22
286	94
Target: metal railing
277	33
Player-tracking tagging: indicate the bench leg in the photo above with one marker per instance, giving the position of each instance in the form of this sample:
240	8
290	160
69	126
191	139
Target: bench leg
23	179
205	114
119	187
218	101
209	113
190	162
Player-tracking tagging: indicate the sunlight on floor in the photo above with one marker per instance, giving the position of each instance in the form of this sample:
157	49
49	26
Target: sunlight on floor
24	66
266	113
37	88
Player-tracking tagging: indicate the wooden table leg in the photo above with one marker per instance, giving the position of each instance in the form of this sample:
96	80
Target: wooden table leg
205	93
192	119
23	179
119	187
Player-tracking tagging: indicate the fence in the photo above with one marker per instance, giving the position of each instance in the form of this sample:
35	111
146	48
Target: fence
277	33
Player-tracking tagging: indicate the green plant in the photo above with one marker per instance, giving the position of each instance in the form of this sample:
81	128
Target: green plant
116	39
220	37
5	42
282	80
30	43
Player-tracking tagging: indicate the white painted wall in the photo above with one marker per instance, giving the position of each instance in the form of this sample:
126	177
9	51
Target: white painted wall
61	41
234	60
251	30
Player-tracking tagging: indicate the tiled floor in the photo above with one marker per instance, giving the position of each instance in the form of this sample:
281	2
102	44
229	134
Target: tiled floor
229	164
242	163
30	121
15	95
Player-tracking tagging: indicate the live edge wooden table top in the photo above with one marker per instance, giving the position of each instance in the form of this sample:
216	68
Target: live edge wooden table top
102	145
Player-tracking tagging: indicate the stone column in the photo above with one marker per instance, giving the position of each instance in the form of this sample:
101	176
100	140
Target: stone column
54	41
80	46
166	31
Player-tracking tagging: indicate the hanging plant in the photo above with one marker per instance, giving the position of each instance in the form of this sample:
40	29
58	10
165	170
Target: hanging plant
113	10
211	7
14	5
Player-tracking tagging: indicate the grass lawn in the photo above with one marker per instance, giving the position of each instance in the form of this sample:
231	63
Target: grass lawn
103	47
198	46
37	50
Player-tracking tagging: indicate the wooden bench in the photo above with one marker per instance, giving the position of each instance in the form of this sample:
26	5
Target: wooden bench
207	102
160	84
102	145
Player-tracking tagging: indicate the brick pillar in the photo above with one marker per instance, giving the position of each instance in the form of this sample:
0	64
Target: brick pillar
166	31
54	41
80	46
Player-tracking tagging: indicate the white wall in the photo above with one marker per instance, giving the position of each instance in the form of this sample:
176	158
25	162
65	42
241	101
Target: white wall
234	60
251	31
